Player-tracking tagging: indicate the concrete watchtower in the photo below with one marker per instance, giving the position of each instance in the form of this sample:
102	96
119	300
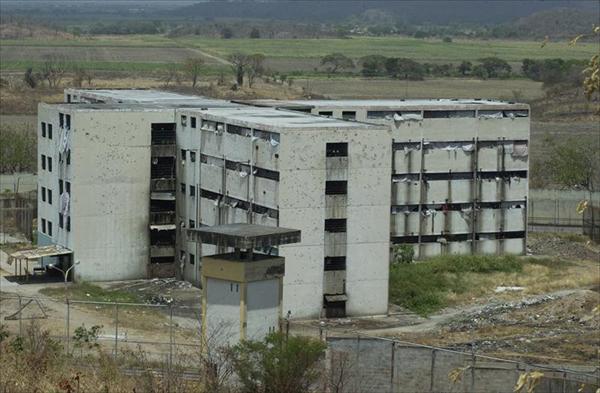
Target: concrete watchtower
242	290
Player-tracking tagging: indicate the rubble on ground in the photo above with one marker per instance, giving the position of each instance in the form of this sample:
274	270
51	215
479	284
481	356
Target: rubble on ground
562	247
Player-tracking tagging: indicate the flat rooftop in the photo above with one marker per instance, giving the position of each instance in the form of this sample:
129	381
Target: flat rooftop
275	119
152	97
245	236
389	104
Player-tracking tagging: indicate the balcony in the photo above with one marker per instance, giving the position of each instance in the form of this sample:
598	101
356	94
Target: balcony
165	150
162	185
161	218
162	251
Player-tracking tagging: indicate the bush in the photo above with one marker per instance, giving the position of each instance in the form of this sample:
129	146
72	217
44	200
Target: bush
403	253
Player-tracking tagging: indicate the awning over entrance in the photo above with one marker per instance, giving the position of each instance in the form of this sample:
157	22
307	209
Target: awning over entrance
39	252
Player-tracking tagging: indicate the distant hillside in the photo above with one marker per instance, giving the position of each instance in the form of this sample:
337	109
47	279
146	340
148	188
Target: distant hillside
556	23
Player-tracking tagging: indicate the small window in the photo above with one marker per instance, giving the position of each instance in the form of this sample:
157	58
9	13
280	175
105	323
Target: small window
68	98
335	263
69	223
61	120
192	191
337	187
335	225
60	187
193	122
49	196
49	164
68	157
182	185
192	259
192	224
43	130
68	118
337	150
43	194
193	156
50	132
349	115
49	228
61	220
43	225
43	162
68	187
183	155
183	120
326	113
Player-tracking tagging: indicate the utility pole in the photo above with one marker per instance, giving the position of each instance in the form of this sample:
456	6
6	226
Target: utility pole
65	274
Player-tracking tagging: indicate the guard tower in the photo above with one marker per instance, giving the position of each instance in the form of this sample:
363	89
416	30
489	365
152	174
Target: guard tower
242	290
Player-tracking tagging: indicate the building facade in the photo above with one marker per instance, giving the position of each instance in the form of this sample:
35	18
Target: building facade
459	170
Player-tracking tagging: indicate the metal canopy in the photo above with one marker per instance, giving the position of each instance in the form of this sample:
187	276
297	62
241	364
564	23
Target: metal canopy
40	252
245	236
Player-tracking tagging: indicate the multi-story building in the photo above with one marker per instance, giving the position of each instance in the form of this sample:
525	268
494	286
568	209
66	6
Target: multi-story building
106	175
325	177
459	169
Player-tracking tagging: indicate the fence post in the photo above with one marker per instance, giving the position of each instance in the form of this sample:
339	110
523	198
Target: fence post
20	315
473	360
392	363
564	384
170	337
68	324
359	378
116	328
432	372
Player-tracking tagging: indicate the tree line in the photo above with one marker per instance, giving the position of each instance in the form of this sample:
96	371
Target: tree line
549	71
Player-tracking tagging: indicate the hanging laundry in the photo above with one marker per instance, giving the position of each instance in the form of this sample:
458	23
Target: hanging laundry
243	174
468	147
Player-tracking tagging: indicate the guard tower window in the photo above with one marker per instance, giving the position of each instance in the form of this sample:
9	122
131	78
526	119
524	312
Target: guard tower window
349	115
337	150
336	187
326	113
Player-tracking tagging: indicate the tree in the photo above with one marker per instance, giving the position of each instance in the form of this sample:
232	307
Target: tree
465	68
172	73
193	67
373	65
278	364
54	68
496	67
29	78
255	67
226	33
336	61
403	68
255	33
239	62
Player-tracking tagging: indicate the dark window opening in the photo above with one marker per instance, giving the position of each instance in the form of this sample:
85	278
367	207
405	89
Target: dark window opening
157	206
337	149
68	121
447	114
192	224
238	130
336	187
182	187
335	263
61	120
349	115
49	228
192	191
49	196
193	122
49	132
192	156
68	187
68	157
163	168
68	98
326	113
266	173
43	130
163	133
49	164
335	225
183	155
68	223
162	238
334	309
61	220
43	194
192	259
183	120
43	161
43	225
162	260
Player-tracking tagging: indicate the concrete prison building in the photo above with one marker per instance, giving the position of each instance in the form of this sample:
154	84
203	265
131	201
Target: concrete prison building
325	177
120	165
459	170
106	178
